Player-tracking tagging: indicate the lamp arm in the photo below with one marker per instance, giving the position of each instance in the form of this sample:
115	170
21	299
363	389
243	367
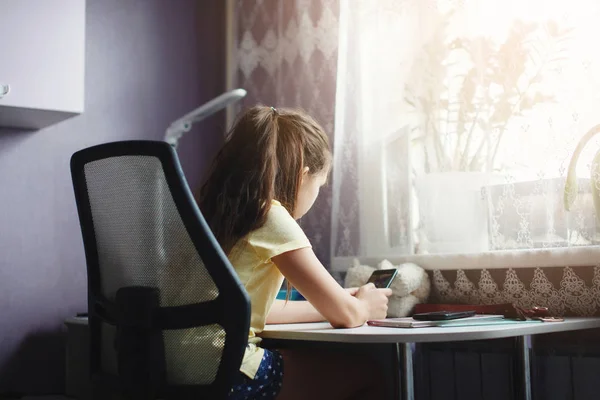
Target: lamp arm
182	125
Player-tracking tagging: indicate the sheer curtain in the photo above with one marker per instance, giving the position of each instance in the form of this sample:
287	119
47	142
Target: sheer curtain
455	123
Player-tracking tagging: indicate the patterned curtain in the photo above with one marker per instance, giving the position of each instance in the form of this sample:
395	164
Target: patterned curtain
286	56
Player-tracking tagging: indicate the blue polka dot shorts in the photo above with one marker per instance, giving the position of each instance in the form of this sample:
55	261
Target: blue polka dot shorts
267	381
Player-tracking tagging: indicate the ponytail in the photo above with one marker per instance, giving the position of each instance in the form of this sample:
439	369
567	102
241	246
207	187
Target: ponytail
262	160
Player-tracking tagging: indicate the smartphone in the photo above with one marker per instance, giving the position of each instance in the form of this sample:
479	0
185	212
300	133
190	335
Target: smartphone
443	315
382	278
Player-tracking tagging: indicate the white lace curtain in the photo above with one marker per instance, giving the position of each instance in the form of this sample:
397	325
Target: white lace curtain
455	122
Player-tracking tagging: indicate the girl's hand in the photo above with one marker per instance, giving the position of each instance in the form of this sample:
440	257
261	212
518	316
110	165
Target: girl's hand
352	291
375	300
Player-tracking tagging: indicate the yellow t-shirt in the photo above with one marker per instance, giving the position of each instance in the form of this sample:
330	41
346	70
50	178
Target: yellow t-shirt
251	258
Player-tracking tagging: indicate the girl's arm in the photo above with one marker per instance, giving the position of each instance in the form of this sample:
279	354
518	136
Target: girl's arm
290	312
338	306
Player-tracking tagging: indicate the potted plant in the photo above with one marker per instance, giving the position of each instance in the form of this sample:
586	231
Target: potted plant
465	92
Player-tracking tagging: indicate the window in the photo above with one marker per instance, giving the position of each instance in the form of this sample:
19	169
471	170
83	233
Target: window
458	121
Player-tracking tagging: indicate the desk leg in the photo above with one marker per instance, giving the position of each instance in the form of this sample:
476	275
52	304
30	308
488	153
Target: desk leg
522	377
405	389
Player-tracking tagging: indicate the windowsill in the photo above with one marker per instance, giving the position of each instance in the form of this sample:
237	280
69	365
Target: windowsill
526	258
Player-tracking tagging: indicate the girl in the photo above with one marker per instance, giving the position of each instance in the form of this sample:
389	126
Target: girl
266	176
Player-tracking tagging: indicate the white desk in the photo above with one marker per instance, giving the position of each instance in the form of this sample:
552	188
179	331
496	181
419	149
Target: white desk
406	338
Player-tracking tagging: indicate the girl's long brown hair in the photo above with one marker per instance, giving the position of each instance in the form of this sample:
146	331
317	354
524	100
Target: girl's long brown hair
262	159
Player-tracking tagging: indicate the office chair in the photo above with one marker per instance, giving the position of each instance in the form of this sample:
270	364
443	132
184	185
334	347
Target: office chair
168	316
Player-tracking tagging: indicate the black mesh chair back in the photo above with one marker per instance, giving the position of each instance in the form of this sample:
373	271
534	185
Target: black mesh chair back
168	316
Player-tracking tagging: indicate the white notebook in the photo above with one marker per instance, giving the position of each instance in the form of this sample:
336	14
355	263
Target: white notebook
409	322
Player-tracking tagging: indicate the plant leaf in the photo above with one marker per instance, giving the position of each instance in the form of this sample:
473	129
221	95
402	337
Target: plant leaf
571	183
570	189
595	171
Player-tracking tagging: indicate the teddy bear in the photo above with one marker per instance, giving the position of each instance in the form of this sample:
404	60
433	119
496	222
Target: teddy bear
410	287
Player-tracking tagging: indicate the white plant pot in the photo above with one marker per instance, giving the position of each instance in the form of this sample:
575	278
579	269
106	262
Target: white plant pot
453	215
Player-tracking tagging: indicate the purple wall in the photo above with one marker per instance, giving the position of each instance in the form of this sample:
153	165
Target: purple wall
147	63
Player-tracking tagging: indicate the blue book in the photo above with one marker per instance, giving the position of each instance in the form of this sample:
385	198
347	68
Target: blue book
294	295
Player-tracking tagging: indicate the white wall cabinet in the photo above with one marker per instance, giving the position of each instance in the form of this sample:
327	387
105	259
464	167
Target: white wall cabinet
42	59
